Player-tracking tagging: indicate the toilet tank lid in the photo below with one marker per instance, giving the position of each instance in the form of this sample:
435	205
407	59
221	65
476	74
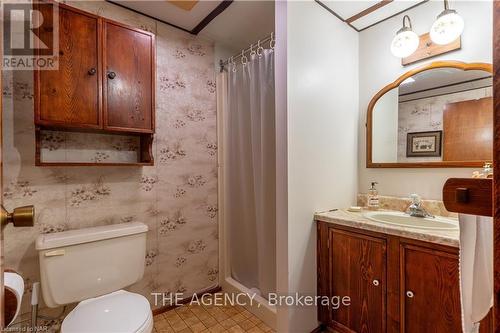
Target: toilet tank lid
86	235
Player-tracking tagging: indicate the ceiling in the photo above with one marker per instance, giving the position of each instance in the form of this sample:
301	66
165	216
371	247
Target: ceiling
237	23
186	15
242	23
443	81
361	15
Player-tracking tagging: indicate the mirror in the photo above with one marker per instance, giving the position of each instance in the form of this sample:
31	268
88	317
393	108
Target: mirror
439	115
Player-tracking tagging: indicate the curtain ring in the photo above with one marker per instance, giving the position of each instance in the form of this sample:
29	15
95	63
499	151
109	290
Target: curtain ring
233	65
244	59
260	49
272	42
252	51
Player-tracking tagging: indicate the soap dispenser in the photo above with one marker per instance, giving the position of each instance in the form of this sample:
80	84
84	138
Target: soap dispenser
373	200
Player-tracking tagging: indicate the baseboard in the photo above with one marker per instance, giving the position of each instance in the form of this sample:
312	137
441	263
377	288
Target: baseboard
186	300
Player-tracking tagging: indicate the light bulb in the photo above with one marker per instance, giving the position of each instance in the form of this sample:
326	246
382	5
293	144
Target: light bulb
405	43
447	27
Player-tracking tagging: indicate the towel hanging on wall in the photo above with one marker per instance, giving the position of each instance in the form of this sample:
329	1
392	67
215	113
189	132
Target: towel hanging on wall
476	269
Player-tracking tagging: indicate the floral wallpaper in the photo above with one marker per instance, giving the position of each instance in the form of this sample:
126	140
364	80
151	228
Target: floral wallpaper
176	198
57	146
427	115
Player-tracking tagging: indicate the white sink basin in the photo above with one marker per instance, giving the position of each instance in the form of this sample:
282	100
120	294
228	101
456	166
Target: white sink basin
405	220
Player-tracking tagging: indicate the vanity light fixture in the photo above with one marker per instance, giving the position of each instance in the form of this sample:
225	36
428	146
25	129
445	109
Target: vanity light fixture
447	27
406	41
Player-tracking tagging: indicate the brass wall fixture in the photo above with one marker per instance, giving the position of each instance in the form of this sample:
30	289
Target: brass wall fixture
20	216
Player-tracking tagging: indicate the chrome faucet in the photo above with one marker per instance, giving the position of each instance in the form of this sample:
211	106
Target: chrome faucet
415	209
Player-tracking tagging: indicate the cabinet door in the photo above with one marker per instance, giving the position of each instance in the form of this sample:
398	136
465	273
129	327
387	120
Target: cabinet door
358	270
70	96
430	291
128	78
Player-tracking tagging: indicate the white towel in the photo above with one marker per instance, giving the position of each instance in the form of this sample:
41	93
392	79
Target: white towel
476	269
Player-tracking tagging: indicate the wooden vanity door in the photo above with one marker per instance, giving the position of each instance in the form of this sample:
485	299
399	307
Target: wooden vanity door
430	293
128	78
358	270
70	96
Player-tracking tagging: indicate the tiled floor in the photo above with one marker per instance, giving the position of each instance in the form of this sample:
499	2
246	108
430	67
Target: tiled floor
209	319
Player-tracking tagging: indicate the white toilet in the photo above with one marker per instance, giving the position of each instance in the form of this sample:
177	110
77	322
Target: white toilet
90	266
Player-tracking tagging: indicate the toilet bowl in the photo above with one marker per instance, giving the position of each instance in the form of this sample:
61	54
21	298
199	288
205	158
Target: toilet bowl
91	266
120	311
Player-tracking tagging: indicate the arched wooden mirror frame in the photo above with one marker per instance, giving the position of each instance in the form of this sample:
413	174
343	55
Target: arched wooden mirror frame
438	164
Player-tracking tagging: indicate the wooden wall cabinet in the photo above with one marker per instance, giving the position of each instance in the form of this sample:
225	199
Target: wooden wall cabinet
70	96
105	81
128	78
395	284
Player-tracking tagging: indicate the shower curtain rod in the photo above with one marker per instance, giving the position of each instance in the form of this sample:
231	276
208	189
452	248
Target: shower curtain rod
253	48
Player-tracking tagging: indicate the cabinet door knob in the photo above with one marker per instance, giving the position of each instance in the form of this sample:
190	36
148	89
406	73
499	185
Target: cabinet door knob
410	294
92	71
111	75
376	283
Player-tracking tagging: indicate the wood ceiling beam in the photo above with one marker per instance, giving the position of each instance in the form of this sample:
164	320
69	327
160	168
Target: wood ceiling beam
213	14
379	5
368	10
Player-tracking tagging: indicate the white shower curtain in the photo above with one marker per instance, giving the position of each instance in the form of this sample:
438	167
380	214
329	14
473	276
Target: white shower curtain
249	182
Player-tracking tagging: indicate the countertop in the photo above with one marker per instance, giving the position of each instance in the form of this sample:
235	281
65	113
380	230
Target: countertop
357	220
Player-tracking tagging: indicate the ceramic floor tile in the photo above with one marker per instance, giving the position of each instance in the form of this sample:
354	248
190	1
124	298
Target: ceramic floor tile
239	318
228	323
209	319
197	328
217	329
209	322
236	329
246	325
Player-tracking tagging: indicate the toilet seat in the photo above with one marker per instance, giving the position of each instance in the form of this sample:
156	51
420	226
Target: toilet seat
117	312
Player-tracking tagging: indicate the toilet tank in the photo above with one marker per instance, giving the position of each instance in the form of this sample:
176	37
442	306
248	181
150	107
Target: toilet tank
85	263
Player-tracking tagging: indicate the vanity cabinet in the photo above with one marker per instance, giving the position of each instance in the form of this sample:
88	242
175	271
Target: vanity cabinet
105	82
395	284
429	290
357	268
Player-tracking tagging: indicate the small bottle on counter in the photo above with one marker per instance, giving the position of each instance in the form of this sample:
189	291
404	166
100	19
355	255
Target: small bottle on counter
488	170
373	200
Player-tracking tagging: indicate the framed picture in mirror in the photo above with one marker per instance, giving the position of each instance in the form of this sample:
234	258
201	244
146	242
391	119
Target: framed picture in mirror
424	144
